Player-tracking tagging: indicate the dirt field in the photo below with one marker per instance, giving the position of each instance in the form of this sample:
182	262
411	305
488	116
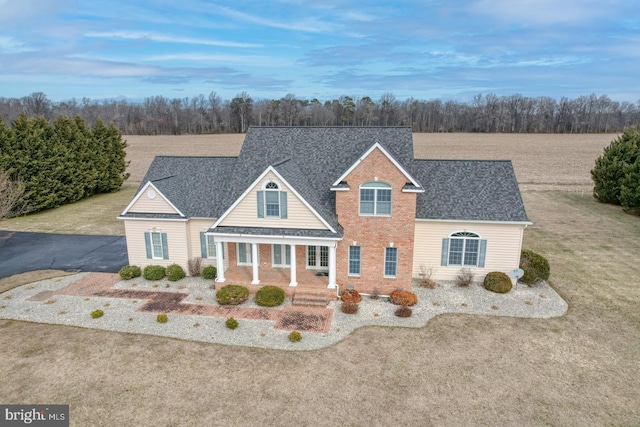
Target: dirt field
541	162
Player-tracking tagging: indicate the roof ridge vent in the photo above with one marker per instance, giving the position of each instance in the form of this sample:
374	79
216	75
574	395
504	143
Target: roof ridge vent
279	162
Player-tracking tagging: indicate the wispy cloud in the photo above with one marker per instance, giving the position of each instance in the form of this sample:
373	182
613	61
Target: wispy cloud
161	38
11	45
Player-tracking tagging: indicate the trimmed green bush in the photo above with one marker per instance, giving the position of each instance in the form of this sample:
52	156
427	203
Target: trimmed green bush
536	267
210	272
128	272
97	313
497	281
232	295
175	272
231	323
153	272
270	296
162	318
295	336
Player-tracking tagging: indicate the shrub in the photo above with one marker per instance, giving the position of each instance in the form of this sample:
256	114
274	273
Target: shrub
497	281
400	297
403	311
465	277
611	168
210	272
231	323
232	295
270	296
351	295
375	293
175	272
162	318
128	272
349	307
195	266
153	272
97	313
536	267
295	336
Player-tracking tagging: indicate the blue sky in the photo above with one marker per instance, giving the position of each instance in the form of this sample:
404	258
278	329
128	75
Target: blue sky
320	48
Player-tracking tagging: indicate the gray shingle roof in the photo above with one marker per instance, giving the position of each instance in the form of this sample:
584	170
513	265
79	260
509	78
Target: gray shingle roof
310	159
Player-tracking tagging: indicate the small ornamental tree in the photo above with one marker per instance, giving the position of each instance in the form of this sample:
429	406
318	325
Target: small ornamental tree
610	174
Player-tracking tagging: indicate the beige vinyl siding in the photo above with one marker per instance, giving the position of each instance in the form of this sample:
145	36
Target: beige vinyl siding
196	226
156	205
245	214
504	242
177	242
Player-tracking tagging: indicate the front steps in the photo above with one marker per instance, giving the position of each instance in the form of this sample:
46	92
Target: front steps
313	297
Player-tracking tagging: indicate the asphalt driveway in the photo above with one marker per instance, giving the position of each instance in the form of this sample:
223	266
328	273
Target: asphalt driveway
21	252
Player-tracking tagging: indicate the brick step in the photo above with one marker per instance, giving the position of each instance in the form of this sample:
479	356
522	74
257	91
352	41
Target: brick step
311	298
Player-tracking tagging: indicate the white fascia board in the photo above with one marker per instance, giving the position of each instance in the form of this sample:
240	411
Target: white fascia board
526	223
126	218
142	191
255	183
417	190
270	239
389	156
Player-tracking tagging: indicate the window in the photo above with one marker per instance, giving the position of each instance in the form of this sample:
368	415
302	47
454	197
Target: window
318	257
375	199
156	245
390	262
281	255
208	246
354	260
464	249
244	254
272	203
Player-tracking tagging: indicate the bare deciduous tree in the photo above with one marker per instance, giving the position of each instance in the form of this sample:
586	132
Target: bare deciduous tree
12	197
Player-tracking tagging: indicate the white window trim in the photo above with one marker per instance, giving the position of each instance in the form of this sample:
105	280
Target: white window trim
317	267
249	255
208	244
375	199
153	252
384	265
452	236
349	273
264	201
283	256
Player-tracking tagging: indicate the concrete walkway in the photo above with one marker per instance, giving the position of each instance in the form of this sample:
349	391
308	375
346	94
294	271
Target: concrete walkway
194	314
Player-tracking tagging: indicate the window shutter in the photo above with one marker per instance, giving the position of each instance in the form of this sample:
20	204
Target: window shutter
260	204
444	259
483	251
283	204
165	250
147	244
203	245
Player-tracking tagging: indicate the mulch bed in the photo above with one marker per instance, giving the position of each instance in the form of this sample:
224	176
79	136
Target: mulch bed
308	319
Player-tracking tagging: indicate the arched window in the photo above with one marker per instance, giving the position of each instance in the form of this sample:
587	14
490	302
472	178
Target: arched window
464	249
272	203
375	199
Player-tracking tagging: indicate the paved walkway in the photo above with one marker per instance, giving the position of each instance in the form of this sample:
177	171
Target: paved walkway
194	314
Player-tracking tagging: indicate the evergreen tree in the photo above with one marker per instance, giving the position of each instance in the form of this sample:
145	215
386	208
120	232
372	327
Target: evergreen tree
610	169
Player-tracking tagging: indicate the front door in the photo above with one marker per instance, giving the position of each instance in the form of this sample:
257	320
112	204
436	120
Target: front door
318	257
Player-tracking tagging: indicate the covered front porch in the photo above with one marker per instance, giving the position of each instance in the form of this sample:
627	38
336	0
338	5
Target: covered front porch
280	257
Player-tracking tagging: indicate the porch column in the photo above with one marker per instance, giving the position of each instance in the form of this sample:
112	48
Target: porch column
219	262
294	279
254	263
332	267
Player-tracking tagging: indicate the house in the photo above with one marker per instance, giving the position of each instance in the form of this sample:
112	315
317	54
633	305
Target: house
340	206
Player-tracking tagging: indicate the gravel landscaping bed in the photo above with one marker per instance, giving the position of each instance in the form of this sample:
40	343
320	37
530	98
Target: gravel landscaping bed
120	314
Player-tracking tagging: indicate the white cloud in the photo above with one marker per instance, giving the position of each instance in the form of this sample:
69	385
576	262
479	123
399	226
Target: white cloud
11	45
161	38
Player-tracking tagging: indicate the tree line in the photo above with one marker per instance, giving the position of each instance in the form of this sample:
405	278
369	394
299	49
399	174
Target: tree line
44	165
211	114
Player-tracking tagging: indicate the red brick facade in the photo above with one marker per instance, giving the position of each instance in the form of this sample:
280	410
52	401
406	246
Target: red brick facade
375	233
